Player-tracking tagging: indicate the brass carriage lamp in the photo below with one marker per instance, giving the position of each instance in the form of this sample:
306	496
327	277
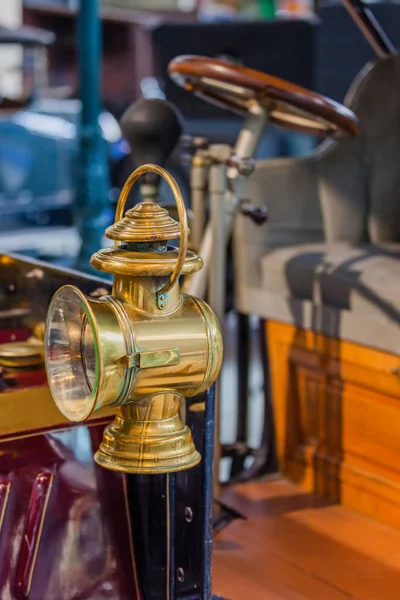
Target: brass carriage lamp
142	349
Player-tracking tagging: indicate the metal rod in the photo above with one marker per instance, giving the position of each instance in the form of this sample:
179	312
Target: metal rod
198	190
196	284
267	462
92	206
209	465
265	459
89	32
217	156
370	28
217	272
243	337
216	283
243	367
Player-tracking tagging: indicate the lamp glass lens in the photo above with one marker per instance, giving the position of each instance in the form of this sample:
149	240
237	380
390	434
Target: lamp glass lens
71	354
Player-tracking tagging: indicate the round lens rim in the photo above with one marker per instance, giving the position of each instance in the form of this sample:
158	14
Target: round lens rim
89	403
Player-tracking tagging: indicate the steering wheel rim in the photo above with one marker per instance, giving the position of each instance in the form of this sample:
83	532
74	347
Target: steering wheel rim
234	88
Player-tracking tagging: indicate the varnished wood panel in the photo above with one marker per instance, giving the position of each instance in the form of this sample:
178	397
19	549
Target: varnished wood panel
295	546
337	419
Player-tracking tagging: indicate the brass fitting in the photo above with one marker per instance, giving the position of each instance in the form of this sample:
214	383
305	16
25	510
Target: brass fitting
144	348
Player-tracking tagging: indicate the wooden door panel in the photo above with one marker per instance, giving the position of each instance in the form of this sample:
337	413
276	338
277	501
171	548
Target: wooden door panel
337	419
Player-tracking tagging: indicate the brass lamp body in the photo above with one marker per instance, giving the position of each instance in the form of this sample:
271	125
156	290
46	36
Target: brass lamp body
143	349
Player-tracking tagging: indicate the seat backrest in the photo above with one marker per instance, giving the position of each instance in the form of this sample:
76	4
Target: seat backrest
358	207
359	181
377	104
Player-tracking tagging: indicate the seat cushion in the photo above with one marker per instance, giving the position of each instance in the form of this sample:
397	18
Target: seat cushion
362	283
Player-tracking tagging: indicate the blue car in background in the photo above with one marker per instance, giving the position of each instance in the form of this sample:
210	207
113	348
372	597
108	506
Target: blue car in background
39	150
38	158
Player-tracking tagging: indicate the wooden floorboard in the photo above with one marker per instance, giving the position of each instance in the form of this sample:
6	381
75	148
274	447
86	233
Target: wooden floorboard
294	546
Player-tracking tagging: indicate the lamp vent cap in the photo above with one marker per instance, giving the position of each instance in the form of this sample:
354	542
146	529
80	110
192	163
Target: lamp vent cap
145	222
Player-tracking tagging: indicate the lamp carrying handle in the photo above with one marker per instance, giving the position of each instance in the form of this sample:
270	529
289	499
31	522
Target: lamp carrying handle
184	231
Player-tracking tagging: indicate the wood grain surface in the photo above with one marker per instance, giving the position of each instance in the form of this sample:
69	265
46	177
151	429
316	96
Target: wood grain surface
295	546
337	419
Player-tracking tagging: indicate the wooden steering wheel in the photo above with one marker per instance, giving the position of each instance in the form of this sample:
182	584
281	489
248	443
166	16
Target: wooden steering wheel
233	87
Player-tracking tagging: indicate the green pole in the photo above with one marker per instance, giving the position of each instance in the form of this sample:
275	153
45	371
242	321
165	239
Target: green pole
92	206
267	9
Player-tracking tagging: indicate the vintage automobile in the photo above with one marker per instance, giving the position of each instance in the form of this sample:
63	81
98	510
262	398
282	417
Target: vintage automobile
320	272
135	522
112	526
